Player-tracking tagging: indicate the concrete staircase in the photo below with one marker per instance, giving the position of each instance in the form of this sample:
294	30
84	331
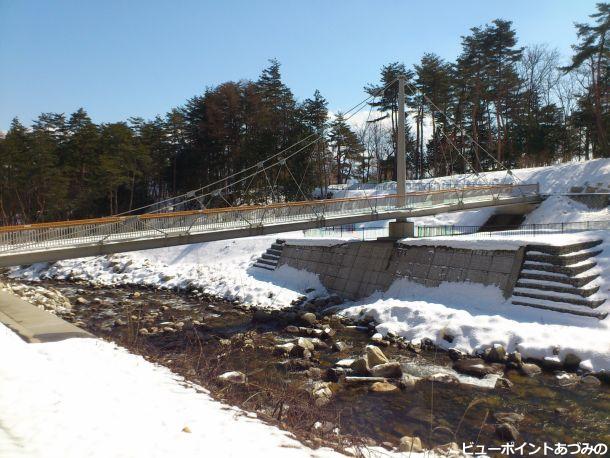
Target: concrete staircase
269	259
555	278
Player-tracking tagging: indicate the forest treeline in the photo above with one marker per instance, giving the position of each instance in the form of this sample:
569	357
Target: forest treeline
499	104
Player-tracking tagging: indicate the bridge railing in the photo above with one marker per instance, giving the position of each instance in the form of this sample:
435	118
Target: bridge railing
157	225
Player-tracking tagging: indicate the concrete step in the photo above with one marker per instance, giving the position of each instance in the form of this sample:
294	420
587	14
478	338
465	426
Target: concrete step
590	313
271	257
556	287
563	249
566	270
560	278
560	298
263	266
268	262
277	246
561	260
278	253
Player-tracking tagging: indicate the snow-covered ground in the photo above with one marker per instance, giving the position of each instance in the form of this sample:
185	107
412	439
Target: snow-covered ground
87	397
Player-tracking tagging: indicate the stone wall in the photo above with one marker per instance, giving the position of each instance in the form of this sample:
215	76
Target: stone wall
357	269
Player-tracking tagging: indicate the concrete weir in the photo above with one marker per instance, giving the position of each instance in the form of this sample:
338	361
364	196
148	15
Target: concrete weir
357	269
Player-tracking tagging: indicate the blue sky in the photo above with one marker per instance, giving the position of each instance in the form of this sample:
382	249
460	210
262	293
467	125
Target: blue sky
140	58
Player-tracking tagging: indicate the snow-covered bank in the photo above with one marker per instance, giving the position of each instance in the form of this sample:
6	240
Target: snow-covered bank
554	179
86	397
478	317
222	269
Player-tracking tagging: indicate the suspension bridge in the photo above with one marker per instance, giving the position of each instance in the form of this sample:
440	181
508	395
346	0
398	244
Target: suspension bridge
163	226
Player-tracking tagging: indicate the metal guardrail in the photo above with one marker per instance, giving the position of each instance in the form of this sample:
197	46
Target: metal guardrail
524	229
44	236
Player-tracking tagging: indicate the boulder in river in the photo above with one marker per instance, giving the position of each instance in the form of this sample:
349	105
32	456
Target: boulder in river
375	356
590	380
475	367
360	367
309	318
389	370
383	387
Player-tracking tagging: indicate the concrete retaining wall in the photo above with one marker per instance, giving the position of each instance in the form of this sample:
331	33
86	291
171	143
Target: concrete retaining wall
357	269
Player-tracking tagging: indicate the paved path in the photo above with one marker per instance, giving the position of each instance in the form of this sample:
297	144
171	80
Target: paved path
33	324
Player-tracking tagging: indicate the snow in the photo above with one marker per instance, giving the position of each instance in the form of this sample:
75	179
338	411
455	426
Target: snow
554	179
500	241
86	397
222	269
478	317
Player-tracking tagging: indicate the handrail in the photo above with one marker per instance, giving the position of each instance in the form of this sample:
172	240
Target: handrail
210	211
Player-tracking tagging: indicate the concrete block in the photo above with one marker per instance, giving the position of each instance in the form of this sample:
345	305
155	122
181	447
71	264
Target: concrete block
357	275
437	273
385	279
344	272
442	257
480	261
339	283
352	287
476	276
431	283
455	274
461	259
502	264
498	279
420	270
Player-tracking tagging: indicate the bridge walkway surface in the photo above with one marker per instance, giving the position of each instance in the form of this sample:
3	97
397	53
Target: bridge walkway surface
47	242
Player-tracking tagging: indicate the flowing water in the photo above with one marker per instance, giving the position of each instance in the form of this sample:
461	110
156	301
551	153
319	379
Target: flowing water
555	409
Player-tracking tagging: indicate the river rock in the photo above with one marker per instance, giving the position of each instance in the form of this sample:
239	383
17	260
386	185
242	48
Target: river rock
410	444
383	387
322	393
507	431
309	318
305	343
292	329
515	358
283	349
497	354
504	383
328	333
339	346
552	363
571	361
235	377
389	370
590	380
530	369
81	300
377	337
475	367
360	367
508	417
408	381
375	356
346	362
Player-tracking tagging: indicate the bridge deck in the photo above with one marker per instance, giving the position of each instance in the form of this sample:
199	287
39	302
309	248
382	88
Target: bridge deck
69	239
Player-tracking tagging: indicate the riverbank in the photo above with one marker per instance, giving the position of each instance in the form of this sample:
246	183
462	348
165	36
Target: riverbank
296	366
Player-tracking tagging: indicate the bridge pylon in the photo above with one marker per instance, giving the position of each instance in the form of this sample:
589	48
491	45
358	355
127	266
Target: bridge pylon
401	228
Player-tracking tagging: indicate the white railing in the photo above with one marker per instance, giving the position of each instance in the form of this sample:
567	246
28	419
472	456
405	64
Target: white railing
36	237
